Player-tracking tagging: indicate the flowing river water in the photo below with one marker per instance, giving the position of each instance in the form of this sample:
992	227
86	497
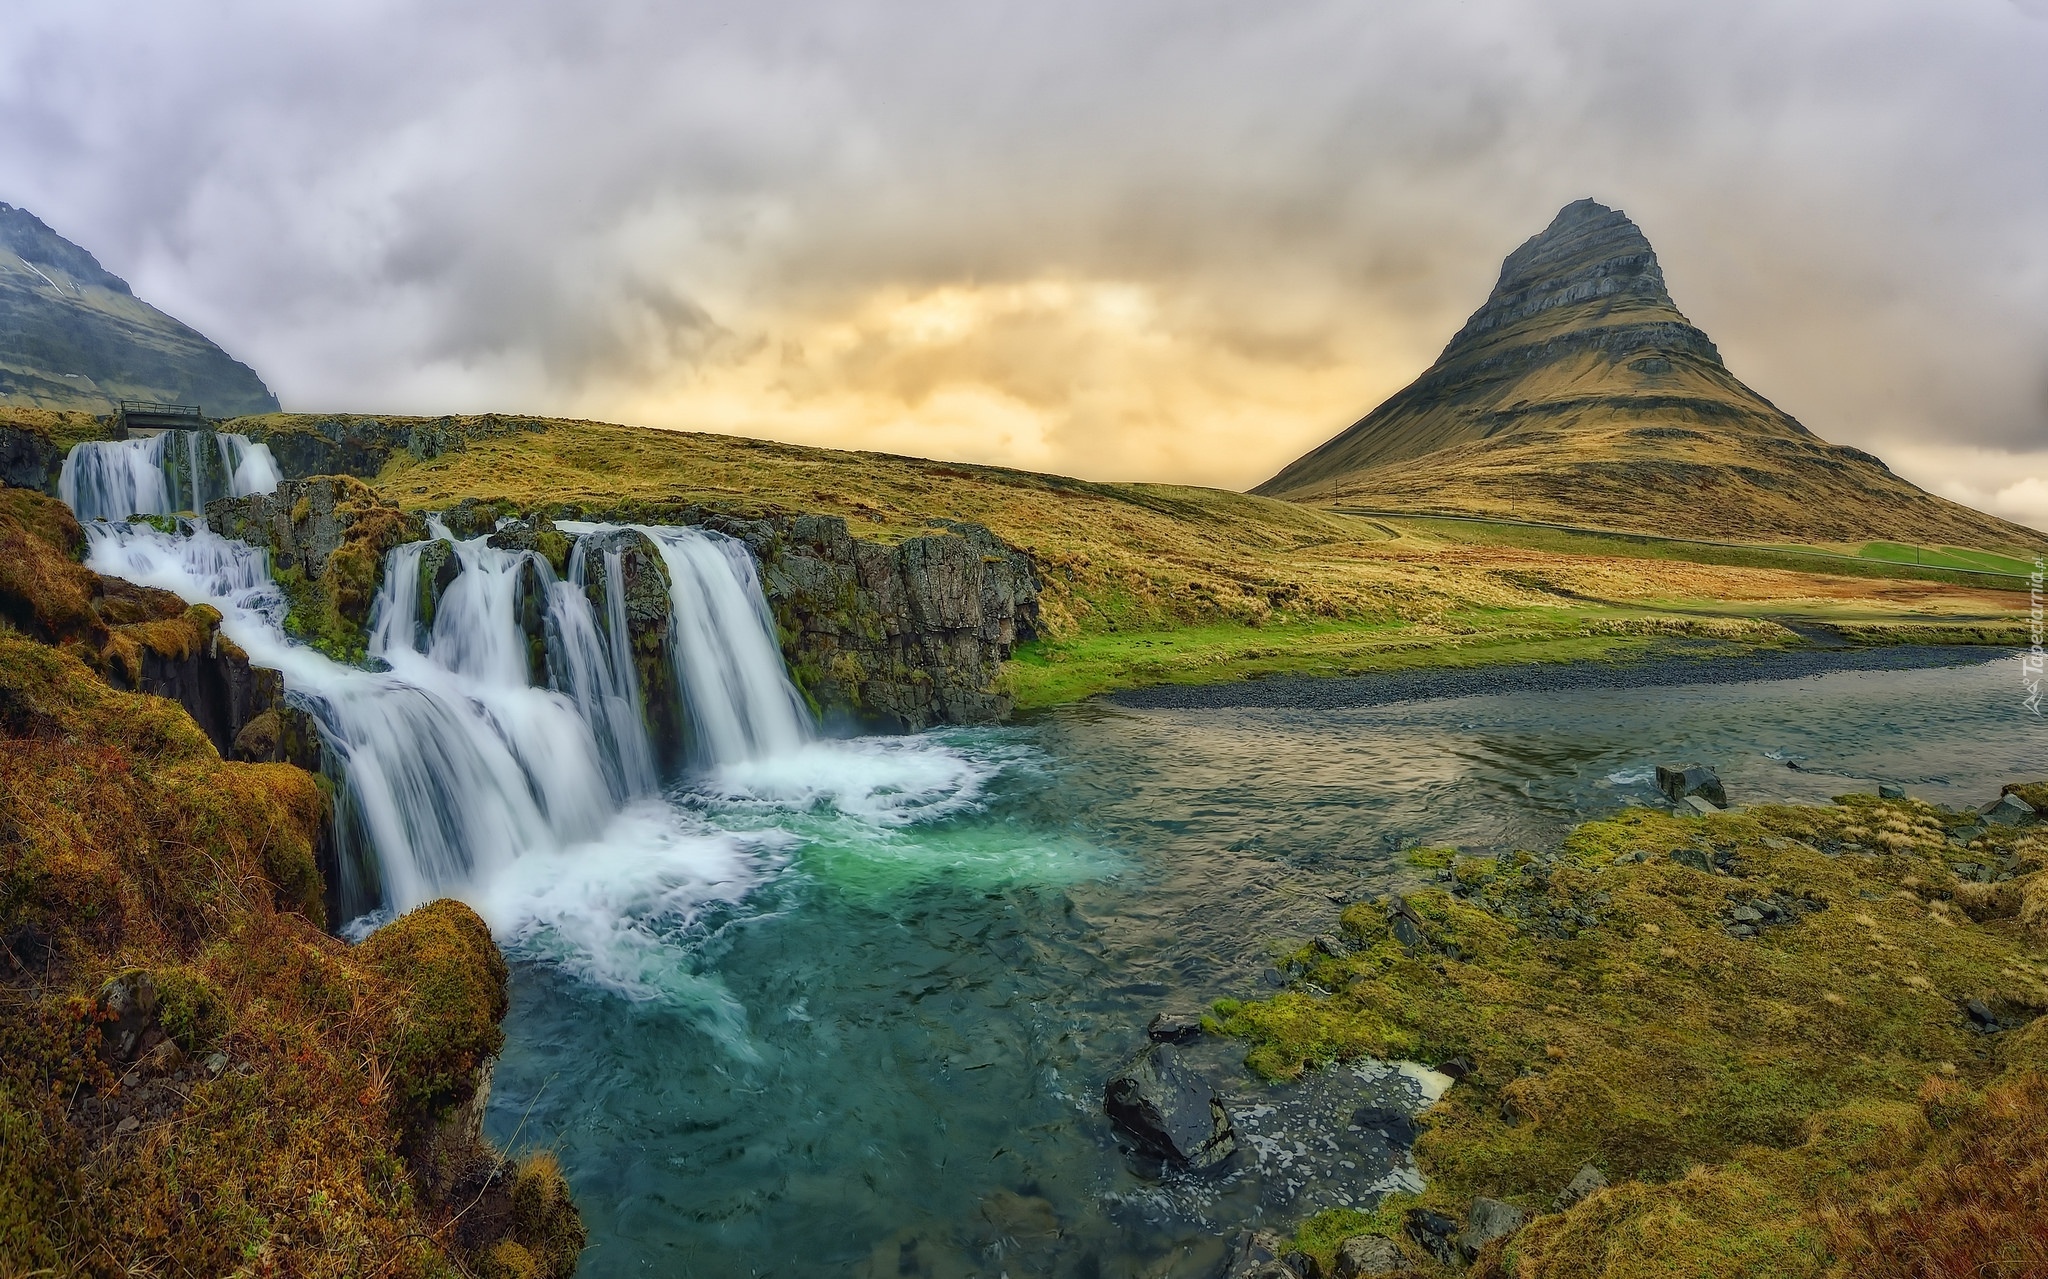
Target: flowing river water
826	1007
891	1054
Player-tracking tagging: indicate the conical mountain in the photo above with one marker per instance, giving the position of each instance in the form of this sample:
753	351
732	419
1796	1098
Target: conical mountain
1580	394
74	336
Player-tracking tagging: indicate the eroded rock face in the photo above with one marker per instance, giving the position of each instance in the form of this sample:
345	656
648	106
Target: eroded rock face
28	460
328	537
137	638
644	591
893	637
901	636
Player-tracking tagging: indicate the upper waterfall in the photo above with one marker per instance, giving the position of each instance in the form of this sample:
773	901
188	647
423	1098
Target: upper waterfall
163	474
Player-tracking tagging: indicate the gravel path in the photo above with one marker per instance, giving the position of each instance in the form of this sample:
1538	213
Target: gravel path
1306	693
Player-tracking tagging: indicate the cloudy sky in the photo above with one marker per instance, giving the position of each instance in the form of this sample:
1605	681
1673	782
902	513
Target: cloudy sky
1149	239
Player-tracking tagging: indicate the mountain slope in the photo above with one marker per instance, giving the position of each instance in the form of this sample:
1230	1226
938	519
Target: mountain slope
1579	393
73	335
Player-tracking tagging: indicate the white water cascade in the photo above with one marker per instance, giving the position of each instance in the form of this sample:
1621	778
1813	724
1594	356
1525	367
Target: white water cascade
163	474
453	765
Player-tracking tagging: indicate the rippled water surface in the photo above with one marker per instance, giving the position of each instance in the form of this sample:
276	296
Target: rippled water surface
849	1012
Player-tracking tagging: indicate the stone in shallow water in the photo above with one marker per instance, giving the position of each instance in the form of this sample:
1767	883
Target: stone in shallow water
1889	791
1169	1112
1174	1027
1682	783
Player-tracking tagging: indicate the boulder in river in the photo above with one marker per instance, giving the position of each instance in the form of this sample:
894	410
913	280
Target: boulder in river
1168	1112
1681	782
1175	1027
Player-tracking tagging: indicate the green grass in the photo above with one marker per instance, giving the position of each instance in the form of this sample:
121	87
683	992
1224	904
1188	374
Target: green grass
1049	672
1945	557
1877	559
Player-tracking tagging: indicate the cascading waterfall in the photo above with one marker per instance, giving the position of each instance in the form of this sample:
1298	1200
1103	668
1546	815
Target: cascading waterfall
163	474
452	763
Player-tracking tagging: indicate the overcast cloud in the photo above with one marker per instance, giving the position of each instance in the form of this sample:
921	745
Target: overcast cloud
1154	239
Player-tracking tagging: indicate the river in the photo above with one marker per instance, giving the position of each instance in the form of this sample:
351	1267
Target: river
856	1018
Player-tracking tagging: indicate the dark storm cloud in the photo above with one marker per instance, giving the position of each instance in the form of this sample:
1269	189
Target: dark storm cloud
1183	240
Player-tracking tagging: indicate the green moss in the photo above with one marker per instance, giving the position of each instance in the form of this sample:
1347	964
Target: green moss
1734	1087
441	955
1321	1234
190	1009
275	1144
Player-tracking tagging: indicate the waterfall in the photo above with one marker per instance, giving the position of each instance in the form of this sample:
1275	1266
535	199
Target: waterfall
471	750
163	474
736	689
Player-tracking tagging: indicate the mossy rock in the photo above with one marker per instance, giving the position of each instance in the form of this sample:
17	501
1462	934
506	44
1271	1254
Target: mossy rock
442	958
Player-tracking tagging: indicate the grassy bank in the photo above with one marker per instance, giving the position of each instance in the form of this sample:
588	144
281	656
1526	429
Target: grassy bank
1758	1027
1049	672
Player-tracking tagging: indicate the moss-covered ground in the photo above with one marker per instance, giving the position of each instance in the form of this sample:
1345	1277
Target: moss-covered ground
280	1103
1757	1025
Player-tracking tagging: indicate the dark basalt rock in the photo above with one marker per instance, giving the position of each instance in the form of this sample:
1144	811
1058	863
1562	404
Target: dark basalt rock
439	567
28	460
1435	1234
1174	1028
350	444
1680	783
2008	810
645	587
1168	1112
1587	1181
208	674
126	1013
890	637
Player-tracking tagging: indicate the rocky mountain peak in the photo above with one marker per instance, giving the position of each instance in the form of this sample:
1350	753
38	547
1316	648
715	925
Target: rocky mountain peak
1588	254
29	238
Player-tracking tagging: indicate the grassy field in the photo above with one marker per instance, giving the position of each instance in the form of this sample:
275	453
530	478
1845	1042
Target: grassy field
1946	557
1150	583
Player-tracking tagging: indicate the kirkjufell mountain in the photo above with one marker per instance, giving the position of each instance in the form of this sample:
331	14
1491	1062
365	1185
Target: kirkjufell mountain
1580	394
74	336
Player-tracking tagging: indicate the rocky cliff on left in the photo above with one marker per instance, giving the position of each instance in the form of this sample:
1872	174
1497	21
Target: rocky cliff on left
195	1078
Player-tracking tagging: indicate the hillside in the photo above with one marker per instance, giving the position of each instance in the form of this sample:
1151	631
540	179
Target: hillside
1580	394
1151	583
74	336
